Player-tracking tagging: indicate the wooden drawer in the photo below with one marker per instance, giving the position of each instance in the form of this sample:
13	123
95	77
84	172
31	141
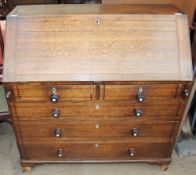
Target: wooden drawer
150	91
108	151
157	110
43	91
124	129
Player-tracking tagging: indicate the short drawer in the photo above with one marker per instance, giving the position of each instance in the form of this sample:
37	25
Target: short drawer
157	110
98	129
44	92
109	151
149	91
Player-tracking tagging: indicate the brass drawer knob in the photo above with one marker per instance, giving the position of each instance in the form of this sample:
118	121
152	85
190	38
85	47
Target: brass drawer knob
8	94
135	132
186	93
137	112
140	98
60	153
132	152
54	97
55	113
57	133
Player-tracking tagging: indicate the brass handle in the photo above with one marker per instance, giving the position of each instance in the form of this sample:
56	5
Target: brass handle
60	153
57	133
55	113
132	152
186	93
54	97
135	132
137	112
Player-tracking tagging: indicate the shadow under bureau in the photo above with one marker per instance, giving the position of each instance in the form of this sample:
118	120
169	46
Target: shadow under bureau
88	85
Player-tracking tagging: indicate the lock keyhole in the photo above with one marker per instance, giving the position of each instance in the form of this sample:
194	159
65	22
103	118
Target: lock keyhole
97	21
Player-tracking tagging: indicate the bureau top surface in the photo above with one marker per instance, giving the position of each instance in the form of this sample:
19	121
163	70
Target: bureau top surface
43	10
97	43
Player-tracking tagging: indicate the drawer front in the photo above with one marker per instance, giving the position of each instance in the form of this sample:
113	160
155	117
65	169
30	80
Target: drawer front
44	92
98	129
77	92
59	151
160	110
129	92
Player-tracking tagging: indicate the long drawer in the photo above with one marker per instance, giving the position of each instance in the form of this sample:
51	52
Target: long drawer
97	129
157	110
62	151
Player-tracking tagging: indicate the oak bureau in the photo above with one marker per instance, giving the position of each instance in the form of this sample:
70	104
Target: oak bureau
97	83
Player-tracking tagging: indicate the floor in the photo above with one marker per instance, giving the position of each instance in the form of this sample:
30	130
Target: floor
9	163
3	101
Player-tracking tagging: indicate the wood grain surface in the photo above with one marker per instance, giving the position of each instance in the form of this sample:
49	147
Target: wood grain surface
96	46
97	62
88	91
43	10
90	151
99	129
186	6
161	110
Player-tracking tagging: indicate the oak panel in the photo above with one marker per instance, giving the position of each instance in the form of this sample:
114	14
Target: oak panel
112	47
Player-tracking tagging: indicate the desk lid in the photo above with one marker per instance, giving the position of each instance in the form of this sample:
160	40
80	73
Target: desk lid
97	43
